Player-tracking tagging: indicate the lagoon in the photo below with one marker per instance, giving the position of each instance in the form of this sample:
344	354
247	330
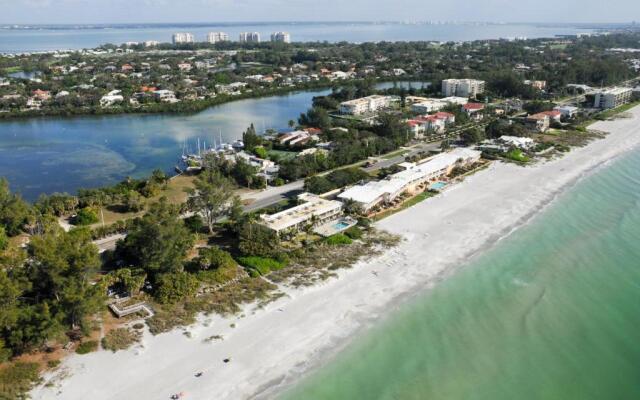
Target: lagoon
46	155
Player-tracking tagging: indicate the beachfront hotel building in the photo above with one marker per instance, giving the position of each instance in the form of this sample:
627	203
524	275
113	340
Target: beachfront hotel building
283	37
249	37
313	211
462	87
365	105
612	98
375	193
217	37
182	37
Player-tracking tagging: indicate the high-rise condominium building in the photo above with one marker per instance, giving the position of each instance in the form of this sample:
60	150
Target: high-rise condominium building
250	37
215	37
182	37
283	37
462	87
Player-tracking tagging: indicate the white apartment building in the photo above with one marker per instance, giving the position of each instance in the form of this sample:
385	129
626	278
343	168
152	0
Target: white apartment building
283	37
249	37
462	87
182	37
374	193
216	37
314	211
151	43
612	98
365	105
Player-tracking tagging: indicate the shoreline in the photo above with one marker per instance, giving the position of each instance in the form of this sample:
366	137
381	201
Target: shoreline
272	349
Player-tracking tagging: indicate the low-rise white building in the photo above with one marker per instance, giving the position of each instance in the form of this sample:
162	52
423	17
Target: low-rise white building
567	111
314	211
111	98
612	98
375	193
515	141
369	104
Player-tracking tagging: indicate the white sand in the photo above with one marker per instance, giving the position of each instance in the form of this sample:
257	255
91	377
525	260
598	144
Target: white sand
275	345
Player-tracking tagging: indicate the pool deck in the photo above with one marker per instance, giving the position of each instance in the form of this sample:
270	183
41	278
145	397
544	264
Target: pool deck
332	228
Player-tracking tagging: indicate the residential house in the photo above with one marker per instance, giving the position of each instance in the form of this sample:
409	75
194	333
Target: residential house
473	110
111	98
567	112
539	122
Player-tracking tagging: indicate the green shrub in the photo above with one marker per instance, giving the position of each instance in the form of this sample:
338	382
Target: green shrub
517	155
17	379
354	232
87	347
339	239
4	240
214	265
262	265
260	151
194	223
85	216
120	339
174	287
138	326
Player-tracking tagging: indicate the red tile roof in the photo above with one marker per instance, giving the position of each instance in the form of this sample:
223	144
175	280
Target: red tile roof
473	106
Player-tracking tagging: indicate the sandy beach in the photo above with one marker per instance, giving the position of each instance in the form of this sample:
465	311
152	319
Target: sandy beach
272	347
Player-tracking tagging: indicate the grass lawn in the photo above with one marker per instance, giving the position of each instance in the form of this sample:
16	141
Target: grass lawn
555	132
282	154
174	192
517	155
12	70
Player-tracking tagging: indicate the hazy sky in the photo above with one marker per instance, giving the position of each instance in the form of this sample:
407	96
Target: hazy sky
105	11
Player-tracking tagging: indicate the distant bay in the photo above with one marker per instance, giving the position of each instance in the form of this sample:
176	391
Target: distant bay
49	38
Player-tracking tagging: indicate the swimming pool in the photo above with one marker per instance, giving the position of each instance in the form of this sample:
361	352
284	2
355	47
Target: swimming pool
341	225
438	185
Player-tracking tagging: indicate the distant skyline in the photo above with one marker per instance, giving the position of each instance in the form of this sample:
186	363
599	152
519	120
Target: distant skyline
199	11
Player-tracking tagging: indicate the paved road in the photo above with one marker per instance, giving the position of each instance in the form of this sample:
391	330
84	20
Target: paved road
108	243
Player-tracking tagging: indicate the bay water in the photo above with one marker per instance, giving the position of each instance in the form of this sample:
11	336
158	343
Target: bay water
50	38
550	312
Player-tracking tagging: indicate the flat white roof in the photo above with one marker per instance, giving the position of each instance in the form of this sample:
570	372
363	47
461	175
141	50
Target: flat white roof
314	206
373	191
616	90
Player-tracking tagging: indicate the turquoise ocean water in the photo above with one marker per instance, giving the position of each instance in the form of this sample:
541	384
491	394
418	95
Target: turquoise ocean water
550	312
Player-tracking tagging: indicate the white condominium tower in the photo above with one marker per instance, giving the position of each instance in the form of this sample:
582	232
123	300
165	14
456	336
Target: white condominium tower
462	87
283	37
250	37
215	37
182	37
